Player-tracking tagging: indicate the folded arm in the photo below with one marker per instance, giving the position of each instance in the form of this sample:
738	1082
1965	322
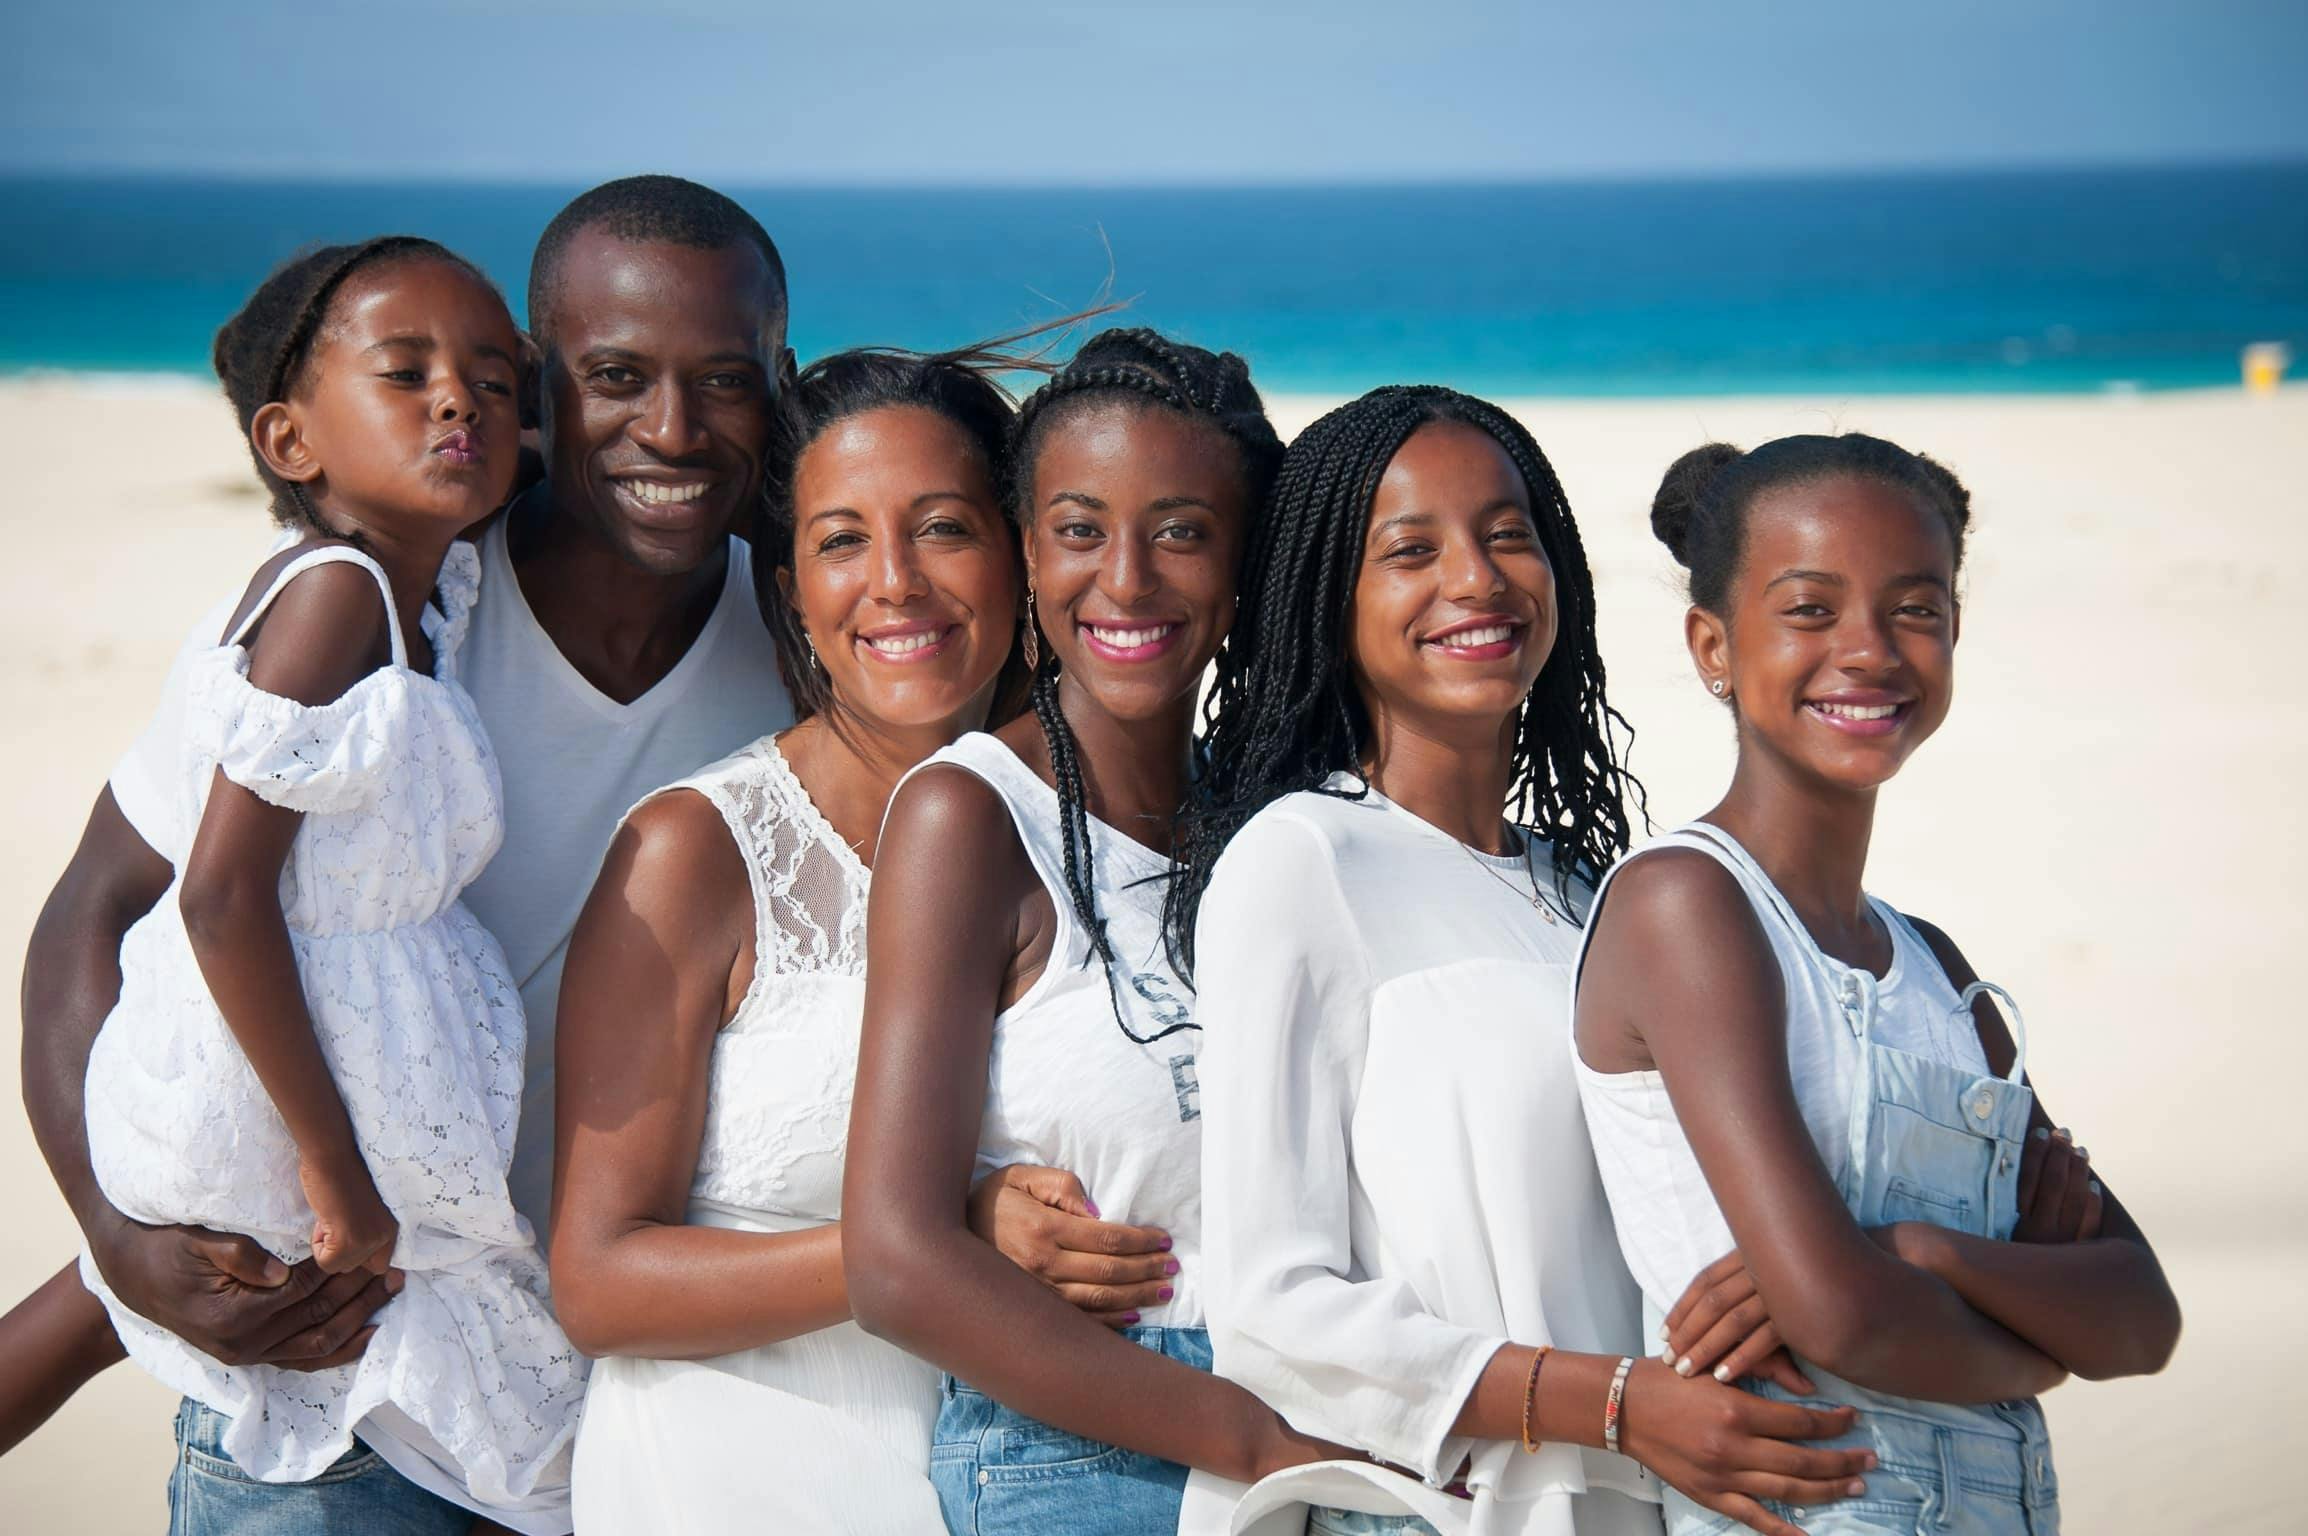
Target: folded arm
1680	964
2101	1307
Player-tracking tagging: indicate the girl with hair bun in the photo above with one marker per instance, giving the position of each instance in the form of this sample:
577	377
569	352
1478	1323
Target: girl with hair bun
316	1045
1413	779
704	1095
1826	1165
1019	1007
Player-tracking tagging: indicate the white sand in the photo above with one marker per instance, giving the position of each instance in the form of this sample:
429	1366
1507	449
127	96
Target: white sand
2110	824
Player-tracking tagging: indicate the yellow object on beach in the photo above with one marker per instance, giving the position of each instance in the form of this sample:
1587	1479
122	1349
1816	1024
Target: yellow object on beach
2264	365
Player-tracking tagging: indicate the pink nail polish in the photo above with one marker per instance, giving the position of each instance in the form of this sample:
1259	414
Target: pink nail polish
1166	1245
1165	1293
1170	1266
1090	1205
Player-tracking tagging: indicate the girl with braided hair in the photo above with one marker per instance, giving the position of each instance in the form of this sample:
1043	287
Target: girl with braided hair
315	1044
1019	1005
1413	782
1813	1122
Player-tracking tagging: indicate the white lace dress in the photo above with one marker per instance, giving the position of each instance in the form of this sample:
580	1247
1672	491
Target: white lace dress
469	1387
828	1432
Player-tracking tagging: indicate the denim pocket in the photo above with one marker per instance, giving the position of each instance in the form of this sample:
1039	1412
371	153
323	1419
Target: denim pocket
1025	1445
357	1462
1906	1200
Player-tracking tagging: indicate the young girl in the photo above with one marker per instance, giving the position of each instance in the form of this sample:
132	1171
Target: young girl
705	1096
315	1045
1773	1060
1018	1006
1412	779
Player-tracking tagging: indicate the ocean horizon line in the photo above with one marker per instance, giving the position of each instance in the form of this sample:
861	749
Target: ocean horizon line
2005	281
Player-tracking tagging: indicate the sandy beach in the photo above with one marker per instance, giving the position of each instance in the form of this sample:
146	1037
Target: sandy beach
2107	825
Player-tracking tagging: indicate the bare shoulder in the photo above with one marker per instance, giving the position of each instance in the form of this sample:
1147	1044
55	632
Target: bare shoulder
1672	896
947	808
325	631
673	862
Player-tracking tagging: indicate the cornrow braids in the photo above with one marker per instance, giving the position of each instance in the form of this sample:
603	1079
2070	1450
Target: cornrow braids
1700	510
1141	365
1285	714
260	355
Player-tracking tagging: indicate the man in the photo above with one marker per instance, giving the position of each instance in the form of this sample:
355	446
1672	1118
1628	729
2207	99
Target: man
616	646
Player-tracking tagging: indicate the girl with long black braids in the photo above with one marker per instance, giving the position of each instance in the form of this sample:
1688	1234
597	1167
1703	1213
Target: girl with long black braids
1413	783
1019	1007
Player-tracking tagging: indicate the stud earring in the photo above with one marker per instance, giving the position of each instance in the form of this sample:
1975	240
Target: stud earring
1718	686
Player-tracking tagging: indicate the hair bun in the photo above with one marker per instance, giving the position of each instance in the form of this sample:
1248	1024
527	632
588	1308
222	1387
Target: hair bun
1681	489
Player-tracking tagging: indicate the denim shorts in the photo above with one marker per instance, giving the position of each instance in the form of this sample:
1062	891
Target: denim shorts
1934	1477
1353	1522
999	1473
209	1495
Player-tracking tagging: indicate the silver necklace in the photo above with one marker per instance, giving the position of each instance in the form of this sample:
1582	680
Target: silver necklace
1532	895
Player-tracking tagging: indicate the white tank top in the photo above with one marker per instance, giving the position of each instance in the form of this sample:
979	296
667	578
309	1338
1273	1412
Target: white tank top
1670	1226
1066	1088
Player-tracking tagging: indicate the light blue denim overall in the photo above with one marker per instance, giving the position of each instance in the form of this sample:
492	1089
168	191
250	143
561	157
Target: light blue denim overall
1935	1143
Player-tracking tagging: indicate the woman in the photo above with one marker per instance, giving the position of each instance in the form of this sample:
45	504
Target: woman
1018	1007
710	1012
1412	781
1772	1059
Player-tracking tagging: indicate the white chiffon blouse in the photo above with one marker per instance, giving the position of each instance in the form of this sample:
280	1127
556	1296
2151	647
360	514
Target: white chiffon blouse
1397	1175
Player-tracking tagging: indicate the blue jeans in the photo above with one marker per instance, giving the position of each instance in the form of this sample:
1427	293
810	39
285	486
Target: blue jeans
999	1473
209	1495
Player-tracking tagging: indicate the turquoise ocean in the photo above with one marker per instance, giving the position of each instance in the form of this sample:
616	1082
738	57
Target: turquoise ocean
2005	281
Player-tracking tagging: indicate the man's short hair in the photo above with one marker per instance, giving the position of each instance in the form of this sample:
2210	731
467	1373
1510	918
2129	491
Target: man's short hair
646	208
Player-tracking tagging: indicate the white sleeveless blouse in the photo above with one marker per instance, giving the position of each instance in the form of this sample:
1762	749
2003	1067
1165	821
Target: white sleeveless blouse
829	1431
1066	1087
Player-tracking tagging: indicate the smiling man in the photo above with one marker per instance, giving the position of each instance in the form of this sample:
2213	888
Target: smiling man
616	646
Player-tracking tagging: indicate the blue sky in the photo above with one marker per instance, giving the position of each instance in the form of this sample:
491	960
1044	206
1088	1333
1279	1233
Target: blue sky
1030	91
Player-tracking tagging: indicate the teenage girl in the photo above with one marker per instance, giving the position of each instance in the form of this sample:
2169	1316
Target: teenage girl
315	1044
705	1088
1775	1062
1412	779
1019	1008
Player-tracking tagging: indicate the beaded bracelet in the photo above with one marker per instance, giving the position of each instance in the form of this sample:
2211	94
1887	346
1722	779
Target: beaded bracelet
1531	1393
1613	1403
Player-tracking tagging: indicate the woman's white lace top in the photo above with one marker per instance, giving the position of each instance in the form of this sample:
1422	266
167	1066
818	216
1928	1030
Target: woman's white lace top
469	1386
852	1413
777	1114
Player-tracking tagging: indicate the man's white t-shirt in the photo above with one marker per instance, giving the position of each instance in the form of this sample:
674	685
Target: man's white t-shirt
573	762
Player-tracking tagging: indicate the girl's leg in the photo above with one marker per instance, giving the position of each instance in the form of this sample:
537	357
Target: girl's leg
54	1342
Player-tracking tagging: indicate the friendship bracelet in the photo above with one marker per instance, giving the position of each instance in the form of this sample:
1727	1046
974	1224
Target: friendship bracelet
1613	1403
1531	1392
